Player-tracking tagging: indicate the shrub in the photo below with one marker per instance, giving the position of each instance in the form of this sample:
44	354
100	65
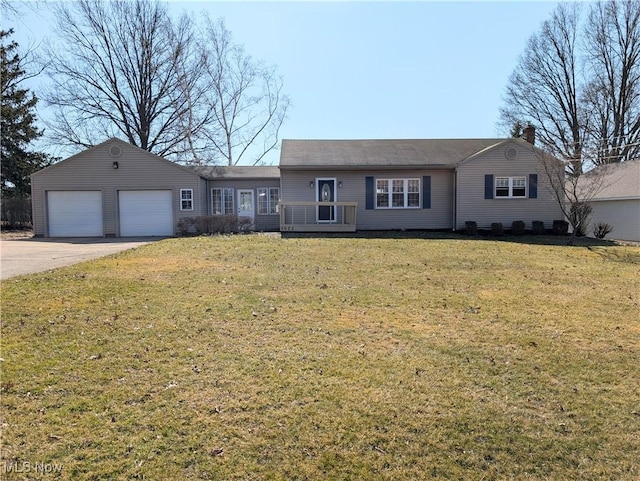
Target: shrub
213	224
186	226
16	213
537	227
601	229
208	224
496	229
579	215
517	227
244	224
560	227
471	227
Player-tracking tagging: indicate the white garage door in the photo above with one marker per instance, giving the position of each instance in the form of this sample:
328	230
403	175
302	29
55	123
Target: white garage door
75	213
145	212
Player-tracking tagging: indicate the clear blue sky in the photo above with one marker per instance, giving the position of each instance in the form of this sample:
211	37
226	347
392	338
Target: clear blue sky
372	69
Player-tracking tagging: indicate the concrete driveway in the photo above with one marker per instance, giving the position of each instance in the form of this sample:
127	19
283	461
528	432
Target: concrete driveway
26	256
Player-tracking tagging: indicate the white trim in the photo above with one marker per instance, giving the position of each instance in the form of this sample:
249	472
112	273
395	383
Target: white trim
271	207
405	192
224	191
189	200
252	211
602	199
510	186
333	219
274	209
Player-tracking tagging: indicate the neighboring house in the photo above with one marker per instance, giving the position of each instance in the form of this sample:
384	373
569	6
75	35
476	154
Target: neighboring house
117	190
617	198
412	184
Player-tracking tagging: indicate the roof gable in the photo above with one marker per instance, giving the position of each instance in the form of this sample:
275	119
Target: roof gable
107	145
502	143
398	153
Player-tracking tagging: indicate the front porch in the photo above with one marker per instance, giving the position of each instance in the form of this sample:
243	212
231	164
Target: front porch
317	216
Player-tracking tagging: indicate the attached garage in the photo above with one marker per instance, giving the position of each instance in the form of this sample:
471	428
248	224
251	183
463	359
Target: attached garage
75	213
115	189
145	212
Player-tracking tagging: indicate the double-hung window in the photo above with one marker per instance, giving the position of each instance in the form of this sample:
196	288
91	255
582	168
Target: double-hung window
268	198
397	193
511	187
221	201
186	199
413	193
274	198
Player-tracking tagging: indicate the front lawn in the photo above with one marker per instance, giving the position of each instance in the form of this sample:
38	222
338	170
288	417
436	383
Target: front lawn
256	357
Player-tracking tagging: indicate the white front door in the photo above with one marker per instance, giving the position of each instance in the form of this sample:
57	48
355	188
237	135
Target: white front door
246	204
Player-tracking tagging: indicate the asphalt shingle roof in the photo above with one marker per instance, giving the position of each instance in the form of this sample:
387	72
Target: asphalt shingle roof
616	181
213	172
345	154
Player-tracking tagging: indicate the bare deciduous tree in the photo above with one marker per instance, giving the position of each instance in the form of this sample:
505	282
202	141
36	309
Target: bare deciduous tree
579	84
572	192
9	9
14	9
543	89
122	69
242	97
612	95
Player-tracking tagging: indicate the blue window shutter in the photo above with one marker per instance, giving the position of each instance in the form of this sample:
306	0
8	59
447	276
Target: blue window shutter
488	186
369	192
533	186
426	192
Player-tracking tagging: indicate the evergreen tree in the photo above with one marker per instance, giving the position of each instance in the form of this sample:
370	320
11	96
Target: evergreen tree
516	130
17	119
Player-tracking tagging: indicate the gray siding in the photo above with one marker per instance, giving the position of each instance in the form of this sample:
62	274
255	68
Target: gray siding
93	170
623	215
470	189
204	198
269	222
295	187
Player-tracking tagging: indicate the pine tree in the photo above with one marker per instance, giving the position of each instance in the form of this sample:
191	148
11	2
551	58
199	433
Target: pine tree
18	129
516	130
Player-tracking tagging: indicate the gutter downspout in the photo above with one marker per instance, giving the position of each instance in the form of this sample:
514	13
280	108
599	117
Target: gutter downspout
455	199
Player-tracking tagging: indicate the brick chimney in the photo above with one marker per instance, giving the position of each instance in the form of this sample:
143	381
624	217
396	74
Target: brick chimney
529	134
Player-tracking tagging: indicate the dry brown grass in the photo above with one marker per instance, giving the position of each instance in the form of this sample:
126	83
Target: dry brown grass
255	357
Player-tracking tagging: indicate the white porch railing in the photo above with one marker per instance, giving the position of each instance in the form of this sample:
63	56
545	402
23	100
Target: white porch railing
317	216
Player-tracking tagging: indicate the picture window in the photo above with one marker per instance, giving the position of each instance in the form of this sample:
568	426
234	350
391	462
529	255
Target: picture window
397	193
